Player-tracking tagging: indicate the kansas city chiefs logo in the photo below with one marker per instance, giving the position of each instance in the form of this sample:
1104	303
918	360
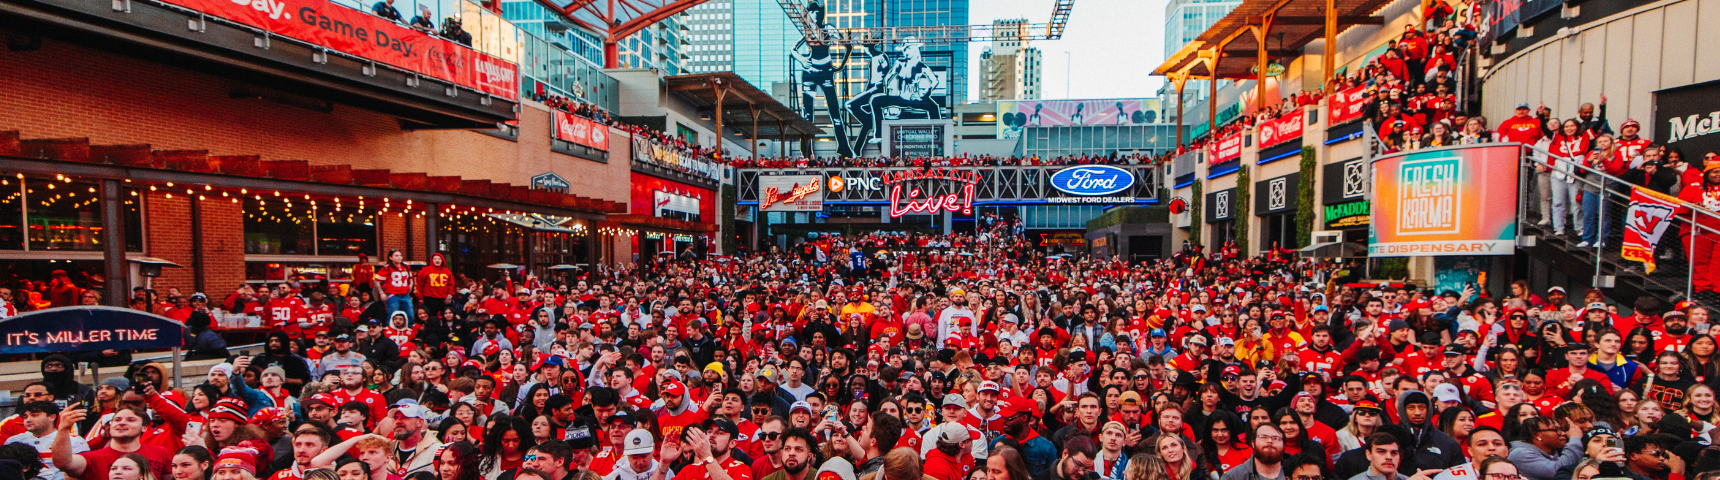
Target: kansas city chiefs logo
1649	219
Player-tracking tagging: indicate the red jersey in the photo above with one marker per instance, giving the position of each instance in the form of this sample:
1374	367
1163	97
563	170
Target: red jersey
1525	130
736	469
401	336
1556	382
670	425
378	405
321	318
396	280
284	315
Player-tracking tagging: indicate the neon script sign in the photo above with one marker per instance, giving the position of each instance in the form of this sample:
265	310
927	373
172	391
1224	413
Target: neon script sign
774	196
919	202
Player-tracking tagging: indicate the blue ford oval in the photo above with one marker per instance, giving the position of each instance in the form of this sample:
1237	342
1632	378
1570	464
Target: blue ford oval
1092	180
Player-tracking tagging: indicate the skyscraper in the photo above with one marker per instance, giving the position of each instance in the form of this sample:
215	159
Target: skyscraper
1009	68
853	89
749	37
1184	21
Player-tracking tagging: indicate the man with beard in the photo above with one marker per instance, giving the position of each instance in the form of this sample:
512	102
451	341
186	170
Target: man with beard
57	373
950	319
1018	414
770	428
1424	445
799	452
309	441
1268	460
1483	442
276	354
1677	334
382	349
124	432
340	358
712	452
1383	460
414	451
1077	459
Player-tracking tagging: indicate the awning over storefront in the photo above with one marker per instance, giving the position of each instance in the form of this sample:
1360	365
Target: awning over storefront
742	106
1334	250
1288	26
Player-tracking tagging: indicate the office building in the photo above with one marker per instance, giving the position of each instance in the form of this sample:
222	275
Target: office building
1184	21
749	37
1010	69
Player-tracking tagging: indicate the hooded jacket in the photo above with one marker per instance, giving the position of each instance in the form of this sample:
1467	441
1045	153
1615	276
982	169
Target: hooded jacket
63	384
1433	448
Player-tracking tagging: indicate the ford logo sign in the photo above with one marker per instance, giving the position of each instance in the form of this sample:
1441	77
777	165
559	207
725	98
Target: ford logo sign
1092	180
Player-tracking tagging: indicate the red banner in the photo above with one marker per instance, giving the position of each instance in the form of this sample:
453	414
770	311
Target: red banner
1646	222
1285	128
1346	106
1224	149
579	130
358	33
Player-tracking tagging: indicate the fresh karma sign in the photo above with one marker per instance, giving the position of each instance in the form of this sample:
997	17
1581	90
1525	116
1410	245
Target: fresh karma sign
1448	201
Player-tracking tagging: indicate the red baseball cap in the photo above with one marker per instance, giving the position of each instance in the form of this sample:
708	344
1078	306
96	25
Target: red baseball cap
673	387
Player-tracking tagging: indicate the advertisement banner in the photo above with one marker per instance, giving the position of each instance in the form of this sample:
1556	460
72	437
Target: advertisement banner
1445	202
1645	223
579	130
1688	117
1013	116
1225	149
647	151
1285	128
82	329
917	140
790	193
1346	106
358	33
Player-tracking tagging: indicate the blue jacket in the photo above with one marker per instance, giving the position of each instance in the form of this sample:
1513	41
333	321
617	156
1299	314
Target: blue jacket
1039	453
1623	372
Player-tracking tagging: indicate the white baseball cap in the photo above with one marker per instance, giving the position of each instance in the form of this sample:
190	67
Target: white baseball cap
639	442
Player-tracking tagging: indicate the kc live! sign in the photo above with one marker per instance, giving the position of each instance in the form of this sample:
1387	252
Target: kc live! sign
357	33
924	201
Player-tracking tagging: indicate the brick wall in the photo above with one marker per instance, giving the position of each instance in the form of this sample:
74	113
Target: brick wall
65	90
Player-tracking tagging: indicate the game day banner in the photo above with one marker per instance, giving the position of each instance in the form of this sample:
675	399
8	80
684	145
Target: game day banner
1445	201
1346	105
350	31
579	130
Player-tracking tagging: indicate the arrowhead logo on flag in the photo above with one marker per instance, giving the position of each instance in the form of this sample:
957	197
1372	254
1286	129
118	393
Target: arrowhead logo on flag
1646	222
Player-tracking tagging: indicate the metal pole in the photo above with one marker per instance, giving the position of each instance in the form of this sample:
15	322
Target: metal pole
178	375
1689	256
115	266
432	220
197	281
1600	204
1329	56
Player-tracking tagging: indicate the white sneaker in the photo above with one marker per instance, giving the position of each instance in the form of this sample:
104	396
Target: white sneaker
1583	245
1543	223
1558	233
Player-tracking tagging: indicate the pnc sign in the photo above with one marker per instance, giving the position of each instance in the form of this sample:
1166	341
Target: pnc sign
1092	180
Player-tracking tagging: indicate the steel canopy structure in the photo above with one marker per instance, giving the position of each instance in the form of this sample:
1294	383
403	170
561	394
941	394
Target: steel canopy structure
733	101
931	34
1241	43
615	20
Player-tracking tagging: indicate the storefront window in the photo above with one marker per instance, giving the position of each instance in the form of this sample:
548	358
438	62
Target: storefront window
308	273
61	215
346	232
11	215
281	226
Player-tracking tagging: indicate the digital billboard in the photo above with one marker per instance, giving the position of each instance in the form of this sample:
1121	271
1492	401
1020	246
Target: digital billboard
1445	201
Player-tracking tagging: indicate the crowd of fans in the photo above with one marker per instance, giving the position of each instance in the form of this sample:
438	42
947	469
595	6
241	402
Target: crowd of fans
955	161
887	356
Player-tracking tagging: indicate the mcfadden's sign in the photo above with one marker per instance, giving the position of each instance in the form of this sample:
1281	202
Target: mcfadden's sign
1687	118
358	33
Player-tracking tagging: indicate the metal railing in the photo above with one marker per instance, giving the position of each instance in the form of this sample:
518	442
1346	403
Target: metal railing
1594	205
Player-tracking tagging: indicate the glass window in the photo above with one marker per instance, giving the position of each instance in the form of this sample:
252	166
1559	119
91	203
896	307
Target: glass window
63	215
346	232
278	227
11	214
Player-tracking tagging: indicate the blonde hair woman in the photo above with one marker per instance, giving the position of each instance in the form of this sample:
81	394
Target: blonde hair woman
1146	467
130	466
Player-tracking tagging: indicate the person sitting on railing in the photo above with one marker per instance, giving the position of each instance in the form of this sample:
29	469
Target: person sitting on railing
452	30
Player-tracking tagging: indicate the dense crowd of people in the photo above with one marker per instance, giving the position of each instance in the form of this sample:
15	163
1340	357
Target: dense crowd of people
886	356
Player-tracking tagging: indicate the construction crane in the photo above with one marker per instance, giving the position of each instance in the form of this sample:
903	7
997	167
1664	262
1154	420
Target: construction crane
935	34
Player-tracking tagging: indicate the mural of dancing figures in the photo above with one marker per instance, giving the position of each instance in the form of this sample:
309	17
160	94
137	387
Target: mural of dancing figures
899	85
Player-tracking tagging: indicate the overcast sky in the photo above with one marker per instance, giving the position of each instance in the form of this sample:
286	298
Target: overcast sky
1113	46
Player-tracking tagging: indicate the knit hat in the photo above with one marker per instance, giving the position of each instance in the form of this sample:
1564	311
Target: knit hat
230	409
119	384
268	415
836	469
225	369
237	457
274	370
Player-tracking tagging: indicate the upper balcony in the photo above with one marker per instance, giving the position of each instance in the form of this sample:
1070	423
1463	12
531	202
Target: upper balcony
315	48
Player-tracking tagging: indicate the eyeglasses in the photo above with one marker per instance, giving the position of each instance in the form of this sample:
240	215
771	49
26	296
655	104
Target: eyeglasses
769	435
36	395
1306	477
1503	476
